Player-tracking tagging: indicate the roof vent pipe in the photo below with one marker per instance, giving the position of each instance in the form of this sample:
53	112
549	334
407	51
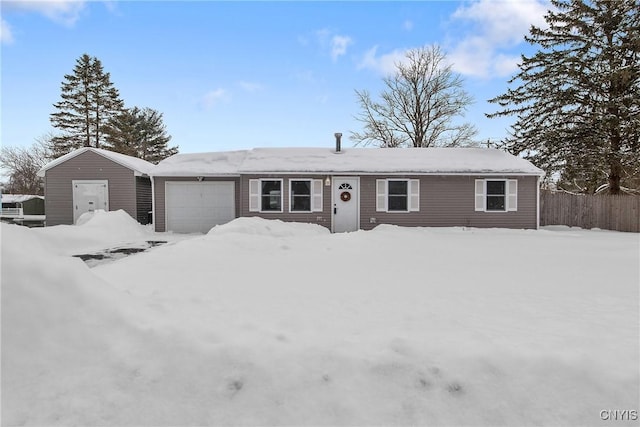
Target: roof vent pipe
338	138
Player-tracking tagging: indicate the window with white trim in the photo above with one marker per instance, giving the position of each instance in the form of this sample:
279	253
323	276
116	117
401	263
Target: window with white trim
305	195
265	195
496	195
397	195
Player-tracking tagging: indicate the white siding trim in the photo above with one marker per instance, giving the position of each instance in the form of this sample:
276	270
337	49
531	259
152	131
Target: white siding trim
480	194
317	187
511	196
538	202
381	195
153	206
414	195
254	195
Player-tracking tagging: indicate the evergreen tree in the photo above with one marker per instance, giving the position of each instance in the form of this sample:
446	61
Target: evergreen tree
140	133
89	100
578	99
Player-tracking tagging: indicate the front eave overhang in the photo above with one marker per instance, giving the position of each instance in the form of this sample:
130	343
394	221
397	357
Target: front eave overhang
377	173
195	175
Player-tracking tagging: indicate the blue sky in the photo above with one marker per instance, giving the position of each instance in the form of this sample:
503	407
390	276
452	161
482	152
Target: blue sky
230	75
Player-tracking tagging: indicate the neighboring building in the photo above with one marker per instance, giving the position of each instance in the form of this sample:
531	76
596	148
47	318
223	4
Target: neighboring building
89	179
347	190
22	204
23	209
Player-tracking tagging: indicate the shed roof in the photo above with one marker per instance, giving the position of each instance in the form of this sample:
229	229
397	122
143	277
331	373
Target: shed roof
351	160
138	166
18	198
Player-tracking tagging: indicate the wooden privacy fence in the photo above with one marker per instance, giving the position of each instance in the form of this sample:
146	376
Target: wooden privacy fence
621	213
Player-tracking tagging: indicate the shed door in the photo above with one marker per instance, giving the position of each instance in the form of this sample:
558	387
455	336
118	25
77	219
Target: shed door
193	207
89	196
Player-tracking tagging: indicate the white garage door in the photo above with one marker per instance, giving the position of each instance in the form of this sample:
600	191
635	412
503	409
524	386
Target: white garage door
198	206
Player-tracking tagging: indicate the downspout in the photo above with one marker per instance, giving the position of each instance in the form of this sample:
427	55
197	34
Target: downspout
538	203
153	202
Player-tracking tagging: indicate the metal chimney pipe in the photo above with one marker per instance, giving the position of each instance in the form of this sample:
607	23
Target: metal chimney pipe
338	138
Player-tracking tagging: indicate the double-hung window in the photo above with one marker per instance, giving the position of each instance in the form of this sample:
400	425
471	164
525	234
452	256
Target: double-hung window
496	195
300	195
397	195
265	195
305	195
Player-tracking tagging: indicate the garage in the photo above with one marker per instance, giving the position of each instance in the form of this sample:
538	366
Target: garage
193	207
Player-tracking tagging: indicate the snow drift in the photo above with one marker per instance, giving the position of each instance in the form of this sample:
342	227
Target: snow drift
269	323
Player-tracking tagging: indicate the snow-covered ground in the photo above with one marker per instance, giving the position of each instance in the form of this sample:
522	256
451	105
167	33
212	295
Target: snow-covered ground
268	323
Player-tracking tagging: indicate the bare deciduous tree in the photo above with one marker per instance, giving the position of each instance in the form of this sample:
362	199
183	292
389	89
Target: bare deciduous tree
418	107
22	165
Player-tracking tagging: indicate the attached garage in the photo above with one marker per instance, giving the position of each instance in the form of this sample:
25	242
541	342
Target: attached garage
193	207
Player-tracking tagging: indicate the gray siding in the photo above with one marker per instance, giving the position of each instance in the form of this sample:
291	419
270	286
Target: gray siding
445	201
89	166
143	199
449	201
159	190
321	218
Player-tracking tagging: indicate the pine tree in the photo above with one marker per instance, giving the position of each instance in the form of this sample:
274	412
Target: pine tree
89	100
121	133
578	99
140	133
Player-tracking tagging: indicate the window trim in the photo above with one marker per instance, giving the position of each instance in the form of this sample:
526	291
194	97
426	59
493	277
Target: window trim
510	195
413	195
260	195
315	197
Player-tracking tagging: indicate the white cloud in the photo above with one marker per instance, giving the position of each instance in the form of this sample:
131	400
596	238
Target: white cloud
407	25
336	44
211	98
250	86
384	64
504	21
339	46
65	12
6	37
505	64
495	25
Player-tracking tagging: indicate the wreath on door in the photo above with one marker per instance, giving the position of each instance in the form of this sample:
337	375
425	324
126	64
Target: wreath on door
345	196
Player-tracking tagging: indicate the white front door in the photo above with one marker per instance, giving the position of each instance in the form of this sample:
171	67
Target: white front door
346	204
89	196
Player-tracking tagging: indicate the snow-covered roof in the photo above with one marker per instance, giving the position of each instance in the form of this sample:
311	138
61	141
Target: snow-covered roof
138	166
19	198
201	164
350	160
